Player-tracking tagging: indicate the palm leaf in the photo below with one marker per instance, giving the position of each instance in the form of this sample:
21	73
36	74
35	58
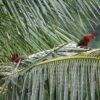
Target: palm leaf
41	25
63	78
30	26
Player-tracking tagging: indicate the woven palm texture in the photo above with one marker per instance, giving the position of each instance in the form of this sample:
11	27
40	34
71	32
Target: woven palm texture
69	77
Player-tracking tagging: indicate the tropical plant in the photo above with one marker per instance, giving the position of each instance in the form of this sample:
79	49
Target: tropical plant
64	78
43	24
30	26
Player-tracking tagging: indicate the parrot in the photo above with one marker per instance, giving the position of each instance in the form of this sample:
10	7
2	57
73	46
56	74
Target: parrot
89	37
85	40
15	58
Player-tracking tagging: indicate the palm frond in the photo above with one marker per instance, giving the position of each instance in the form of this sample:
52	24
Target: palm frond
62	78
30	26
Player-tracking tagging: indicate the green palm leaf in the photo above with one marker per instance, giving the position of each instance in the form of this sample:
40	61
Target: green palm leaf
40	25
63	78
31	26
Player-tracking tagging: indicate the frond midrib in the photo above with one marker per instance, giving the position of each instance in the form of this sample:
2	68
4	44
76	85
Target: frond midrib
67	58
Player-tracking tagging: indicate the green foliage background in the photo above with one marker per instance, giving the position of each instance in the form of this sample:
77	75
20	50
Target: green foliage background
29	26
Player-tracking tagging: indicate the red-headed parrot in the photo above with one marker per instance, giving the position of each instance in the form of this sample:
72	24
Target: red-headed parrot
86	39
89	37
